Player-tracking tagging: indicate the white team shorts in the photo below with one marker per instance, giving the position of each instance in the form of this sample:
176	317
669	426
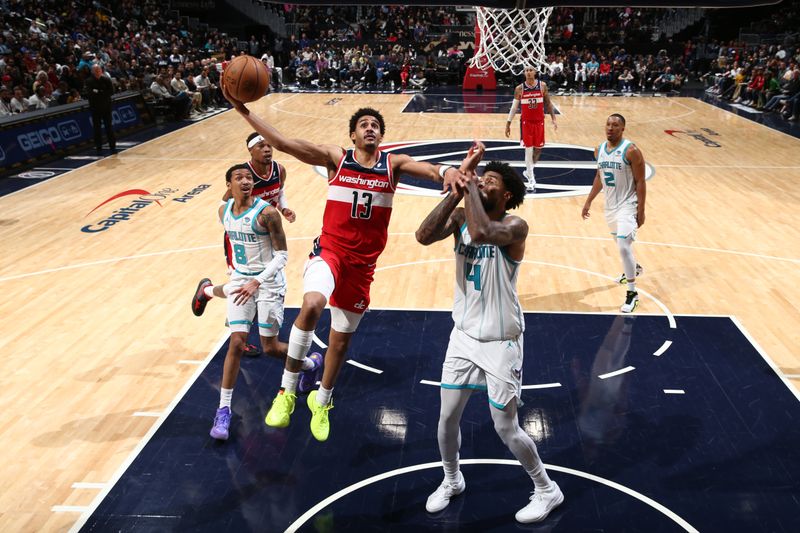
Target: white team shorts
493	366
268	301
622	222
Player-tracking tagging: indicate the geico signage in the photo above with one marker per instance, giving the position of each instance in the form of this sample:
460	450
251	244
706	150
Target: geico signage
123	115
47	136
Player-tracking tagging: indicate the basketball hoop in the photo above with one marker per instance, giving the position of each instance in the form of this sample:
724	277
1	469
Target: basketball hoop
510	39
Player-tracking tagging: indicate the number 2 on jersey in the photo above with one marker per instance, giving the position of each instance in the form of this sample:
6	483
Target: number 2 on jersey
239	254
355	212
608	177
473	274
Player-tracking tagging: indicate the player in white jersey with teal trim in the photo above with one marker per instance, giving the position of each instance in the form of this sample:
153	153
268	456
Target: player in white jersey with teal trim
260	255
485	349
620	174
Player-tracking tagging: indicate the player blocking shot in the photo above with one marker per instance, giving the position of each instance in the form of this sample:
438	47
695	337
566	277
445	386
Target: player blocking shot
485	351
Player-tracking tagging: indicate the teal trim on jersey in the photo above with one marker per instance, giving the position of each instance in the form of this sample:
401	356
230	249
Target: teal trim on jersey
255	218
228	208
249	273
495	404
463	387
245	212
264	325
507	257
237	322
625	152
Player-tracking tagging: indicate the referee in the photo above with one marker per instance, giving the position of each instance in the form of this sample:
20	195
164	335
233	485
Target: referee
98	92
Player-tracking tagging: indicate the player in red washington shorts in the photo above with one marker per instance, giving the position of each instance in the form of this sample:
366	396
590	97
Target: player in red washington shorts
534	99
361	185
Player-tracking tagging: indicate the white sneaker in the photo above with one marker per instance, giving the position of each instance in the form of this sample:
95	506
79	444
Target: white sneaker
530	181
631	302
540	506
441	496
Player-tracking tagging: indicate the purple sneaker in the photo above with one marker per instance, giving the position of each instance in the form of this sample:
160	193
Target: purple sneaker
222	420
308	378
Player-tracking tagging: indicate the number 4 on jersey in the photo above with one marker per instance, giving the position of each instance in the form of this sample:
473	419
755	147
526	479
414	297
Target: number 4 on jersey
473	274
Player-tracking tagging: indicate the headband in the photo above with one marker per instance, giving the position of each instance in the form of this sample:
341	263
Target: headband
254	141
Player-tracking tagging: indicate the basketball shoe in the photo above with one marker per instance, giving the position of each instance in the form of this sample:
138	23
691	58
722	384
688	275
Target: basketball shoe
320	425
282	408
222	421
199	300
440	498
631	302
530	181
542	502
623	280
309	378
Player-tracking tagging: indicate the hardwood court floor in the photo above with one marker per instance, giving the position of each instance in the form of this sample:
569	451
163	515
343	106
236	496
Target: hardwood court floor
97	336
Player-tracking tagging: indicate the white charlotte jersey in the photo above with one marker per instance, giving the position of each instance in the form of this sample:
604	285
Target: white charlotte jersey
617	176
250	242
486	305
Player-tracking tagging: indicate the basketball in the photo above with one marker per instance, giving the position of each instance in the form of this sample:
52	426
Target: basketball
246	79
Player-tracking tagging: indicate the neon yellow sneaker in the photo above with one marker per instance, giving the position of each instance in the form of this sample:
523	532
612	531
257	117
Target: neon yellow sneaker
320	425
281	410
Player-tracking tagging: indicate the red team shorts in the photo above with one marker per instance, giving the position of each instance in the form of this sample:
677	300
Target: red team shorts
352	281
531	134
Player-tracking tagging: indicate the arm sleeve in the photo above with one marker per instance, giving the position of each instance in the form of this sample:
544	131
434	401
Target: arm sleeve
514	107
279	260
282	203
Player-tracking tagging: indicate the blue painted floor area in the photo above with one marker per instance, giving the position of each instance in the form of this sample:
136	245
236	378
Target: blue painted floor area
723	456
771	120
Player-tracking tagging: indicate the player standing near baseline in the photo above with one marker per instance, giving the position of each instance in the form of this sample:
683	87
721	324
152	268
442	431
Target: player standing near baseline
534	98
620	174
340	269
486	349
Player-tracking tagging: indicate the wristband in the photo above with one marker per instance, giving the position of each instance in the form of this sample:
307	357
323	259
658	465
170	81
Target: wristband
443	169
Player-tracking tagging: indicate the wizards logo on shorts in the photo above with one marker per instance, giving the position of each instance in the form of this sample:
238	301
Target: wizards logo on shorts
562	170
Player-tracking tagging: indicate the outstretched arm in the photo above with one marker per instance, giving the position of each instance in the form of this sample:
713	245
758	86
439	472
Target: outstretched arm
327	155
452	179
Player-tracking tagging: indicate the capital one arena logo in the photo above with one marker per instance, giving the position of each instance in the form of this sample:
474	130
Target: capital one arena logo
562	170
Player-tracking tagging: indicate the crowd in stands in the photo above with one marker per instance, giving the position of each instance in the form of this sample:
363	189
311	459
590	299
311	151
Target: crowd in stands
765	77
48	47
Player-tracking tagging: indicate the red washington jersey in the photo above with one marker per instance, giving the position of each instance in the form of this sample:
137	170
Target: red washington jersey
532	102
267	187
356	220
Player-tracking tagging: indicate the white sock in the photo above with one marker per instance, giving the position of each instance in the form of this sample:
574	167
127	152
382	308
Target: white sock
632	286
324	395
289	381
529	163
225	396
209	291
451	470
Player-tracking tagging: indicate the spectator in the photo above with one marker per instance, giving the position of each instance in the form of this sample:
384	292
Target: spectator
38	100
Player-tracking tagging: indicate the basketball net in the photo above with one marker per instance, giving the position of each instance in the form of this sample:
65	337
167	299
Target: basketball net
508	40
